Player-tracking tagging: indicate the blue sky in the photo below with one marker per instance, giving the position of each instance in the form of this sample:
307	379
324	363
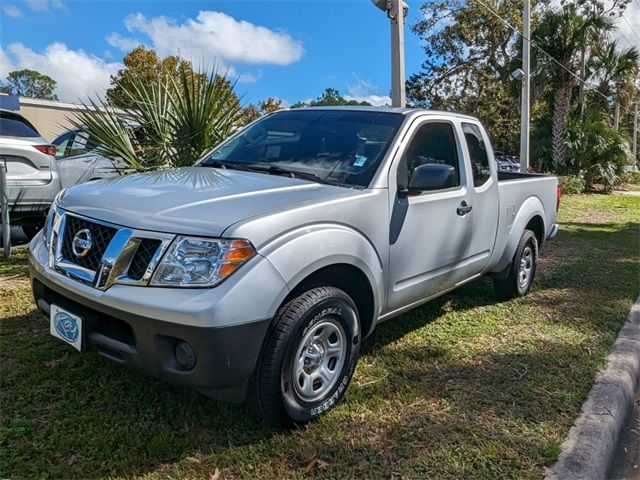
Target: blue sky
287	49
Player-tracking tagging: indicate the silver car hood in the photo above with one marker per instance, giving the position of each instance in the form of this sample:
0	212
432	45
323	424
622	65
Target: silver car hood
193	200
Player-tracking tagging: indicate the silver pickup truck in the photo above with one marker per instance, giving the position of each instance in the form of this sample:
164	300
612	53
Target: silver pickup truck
257	273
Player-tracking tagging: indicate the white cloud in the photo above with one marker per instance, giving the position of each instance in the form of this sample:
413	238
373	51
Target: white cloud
44	5
78	73
215	37
123	43
365	91
248	77
6	65
375	100
38	5
11	10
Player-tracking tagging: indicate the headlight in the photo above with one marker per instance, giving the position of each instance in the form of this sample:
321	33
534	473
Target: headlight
201	262
49	222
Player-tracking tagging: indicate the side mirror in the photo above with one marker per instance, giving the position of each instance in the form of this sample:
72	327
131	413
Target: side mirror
431	176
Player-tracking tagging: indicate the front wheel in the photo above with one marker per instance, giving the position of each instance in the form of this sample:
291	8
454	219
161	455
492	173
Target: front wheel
308	358
32	229
522	270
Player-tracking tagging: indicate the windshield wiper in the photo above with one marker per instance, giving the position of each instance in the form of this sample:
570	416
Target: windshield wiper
226	165
276	170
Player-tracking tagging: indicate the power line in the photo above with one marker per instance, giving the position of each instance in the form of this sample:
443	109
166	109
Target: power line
631	28
532	43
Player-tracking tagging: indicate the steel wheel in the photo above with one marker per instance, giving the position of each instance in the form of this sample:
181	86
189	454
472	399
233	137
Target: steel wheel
526	267
319	358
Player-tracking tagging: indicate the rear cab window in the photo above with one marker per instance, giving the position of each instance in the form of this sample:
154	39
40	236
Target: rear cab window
478	154
12	125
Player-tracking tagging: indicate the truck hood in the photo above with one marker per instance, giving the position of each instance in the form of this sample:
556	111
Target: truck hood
192	200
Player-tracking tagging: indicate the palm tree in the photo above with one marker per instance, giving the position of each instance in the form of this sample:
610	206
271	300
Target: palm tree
615	71
171	122
562	34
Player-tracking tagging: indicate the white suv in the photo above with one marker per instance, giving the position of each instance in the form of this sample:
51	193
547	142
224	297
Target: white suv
32	174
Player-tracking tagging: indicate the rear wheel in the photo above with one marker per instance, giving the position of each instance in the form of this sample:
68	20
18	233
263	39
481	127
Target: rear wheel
308	358
522	271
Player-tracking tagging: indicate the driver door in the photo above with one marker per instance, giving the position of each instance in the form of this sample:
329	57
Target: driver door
429	232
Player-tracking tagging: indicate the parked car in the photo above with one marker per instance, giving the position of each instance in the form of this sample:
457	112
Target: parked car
258	273
32	174
78	161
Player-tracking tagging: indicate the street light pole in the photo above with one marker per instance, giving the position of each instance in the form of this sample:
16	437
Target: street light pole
396	16
526	88
396	10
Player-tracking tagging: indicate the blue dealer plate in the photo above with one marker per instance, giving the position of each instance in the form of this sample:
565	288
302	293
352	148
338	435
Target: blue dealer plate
66	326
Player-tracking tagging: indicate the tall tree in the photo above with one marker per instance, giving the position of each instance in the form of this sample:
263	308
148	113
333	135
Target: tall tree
142	66
615	71
330	97
470	53
30	83
562	34
253	112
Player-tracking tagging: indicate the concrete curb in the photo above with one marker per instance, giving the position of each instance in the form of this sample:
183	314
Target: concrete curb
588	451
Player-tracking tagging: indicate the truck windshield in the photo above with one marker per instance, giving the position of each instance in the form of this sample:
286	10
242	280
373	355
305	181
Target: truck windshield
343	147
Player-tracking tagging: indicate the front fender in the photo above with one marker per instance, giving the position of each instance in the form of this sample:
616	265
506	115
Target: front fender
305	250
531	208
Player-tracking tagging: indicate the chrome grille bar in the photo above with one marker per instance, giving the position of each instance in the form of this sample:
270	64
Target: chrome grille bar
117	257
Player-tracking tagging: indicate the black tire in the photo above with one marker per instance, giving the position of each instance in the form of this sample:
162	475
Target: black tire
32	230
515	284
273	395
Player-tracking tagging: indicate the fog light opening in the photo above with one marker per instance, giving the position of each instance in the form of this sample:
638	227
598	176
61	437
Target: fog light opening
185	355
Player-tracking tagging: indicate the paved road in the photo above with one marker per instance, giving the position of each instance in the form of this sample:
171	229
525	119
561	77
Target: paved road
627	462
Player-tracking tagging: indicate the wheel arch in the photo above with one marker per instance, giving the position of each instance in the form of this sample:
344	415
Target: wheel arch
348	278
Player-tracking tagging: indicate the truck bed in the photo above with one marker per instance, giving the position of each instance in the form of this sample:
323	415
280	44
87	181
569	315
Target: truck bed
515	189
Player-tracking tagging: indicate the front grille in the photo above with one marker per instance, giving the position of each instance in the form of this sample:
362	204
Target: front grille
145	252
101	236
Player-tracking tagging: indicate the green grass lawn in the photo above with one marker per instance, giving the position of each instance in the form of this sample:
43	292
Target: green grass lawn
464	387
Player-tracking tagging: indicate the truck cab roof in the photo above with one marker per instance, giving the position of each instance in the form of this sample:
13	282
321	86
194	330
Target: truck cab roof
408	111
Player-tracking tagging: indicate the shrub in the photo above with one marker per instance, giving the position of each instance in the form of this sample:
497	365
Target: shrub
597	149
172	121
572	184
632	177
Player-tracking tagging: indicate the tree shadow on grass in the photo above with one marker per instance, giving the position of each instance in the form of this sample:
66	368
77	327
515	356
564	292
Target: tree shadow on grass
68	415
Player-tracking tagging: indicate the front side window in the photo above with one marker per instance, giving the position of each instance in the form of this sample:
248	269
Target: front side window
81	144
433	143
477	154
62	144
339	146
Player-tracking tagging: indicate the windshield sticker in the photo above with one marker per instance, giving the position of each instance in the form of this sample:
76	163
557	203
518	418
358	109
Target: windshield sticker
360	161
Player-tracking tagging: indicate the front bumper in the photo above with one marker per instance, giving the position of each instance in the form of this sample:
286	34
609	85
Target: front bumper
141	326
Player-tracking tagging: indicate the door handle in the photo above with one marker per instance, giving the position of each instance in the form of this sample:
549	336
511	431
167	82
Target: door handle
463	209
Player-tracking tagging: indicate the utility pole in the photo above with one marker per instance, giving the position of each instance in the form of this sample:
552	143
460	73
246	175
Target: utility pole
616	117
635	135
396	15
526	88
583	74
